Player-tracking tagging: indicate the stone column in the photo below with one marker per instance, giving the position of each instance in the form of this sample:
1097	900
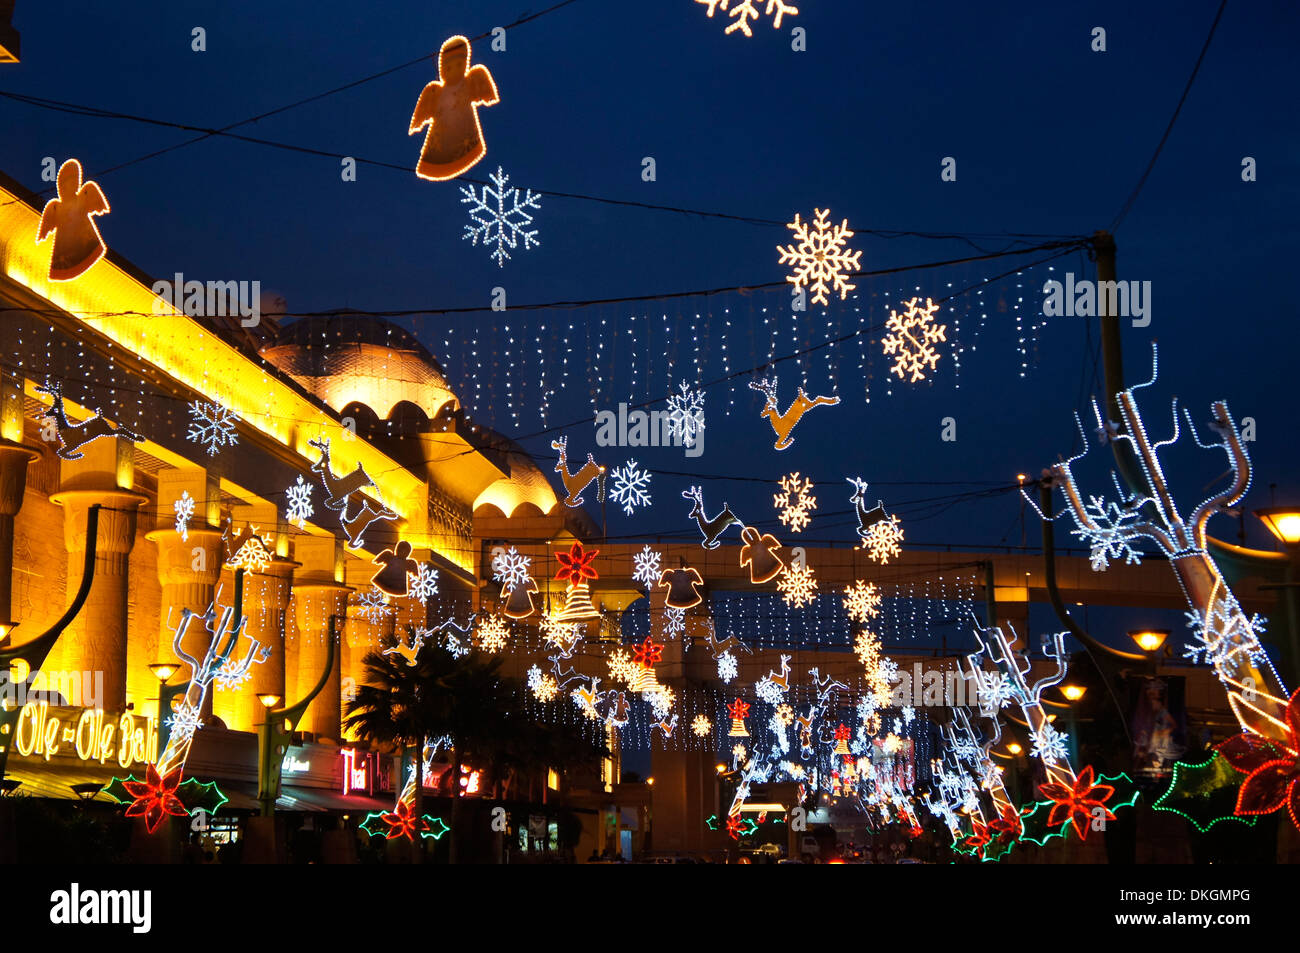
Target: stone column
96	641
318	594
188	570
266	600
13	485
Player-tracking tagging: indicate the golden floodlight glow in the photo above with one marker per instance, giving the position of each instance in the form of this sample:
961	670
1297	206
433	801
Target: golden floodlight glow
1148	640
1283	522
1073	692
113	303
1015	748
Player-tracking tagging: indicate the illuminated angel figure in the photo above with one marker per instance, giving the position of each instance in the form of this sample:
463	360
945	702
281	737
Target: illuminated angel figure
69	218
449	107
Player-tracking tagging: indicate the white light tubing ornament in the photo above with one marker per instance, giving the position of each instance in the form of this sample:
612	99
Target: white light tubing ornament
500	217
184	510
631	487
212	426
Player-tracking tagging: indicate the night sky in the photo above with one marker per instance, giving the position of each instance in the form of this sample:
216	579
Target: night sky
1050	138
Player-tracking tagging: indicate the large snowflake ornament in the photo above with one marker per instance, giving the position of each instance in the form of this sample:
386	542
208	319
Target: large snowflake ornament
543	686
685	415
912	336
674	622
746	11
499	216
212	426
184	721
1050	745
701	725
769	691
862	601
621	667
645	567
231	675
297	503
821	257
727	667
795	502
883	540
423	583
510	568
184	510
798	586
1110	538
661	700
493	634
631	486
374	606
996	690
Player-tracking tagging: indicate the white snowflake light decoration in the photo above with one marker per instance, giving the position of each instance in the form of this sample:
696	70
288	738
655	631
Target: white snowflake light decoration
453	644
499	216
231	675
297	503
661	700
621	667
685	415
745	11
1050	745
769	691
798	586
909	714
821	257
510	568
862	601
184	510
892	744
493	634
423	583
543	686
674	621
701	725
795	501
883	540
727	667
374	606
645	566
631	486
912	337
996	690
212	426
184	721
1111	538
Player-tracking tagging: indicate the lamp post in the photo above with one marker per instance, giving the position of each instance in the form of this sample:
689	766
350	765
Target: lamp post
1149	640
163	671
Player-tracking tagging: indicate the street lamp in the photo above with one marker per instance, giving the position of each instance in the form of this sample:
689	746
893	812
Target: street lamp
1149	640
1015	748
9	786
163	671
1283	522
269	700
1073	692
87	790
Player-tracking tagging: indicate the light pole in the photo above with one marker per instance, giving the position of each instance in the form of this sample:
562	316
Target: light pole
163	671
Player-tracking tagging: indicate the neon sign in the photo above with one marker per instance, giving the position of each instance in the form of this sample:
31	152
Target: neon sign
87	733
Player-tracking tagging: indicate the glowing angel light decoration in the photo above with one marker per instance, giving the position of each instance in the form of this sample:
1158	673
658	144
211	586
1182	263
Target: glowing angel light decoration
70	218
449	107
821	256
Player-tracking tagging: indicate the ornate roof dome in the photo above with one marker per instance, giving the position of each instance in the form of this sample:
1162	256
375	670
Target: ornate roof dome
345	357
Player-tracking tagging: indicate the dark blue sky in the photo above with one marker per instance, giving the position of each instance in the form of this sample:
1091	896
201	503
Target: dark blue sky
1049	138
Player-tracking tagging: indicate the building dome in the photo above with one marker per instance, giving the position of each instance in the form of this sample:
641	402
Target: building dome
345	358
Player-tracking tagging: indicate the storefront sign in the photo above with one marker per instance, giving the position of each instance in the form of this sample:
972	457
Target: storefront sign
88	734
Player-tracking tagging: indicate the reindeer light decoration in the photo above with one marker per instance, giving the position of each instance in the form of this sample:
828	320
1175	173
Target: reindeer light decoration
355	518
1225	636
72	437
712	528
408	650
575	483
784	423
878	532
